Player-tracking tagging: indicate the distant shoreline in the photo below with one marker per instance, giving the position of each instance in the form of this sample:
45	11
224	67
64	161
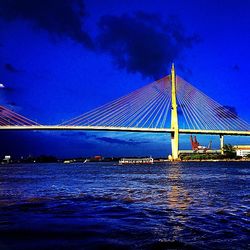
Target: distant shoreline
217	160
116	160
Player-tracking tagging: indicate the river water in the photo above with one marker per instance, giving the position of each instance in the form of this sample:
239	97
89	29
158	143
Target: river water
105	206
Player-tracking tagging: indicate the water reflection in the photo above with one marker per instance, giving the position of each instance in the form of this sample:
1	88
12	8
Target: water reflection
178	199
178	196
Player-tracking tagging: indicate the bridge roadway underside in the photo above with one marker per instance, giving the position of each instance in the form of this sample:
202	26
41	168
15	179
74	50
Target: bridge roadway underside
125	129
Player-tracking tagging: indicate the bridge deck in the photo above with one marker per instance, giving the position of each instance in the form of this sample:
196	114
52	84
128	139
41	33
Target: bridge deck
127	129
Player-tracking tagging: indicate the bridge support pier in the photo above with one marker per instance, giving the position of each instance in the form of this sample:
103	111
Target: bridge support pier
175	145
222	144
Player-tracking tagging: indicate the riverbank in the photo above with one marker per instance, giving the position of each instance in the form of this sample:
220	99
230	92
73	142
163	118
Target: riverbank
217	160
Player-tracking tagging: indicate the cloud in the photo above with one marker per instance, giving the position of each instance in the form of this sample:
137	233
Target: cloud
9	67
7	89
119	141
140	43
88	136
62	18
12	104
143	42
70	134
236	68
36	143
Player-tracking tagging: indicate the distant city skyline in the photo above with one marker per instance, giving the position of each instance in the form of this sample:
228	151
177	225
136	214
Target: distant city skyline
60	59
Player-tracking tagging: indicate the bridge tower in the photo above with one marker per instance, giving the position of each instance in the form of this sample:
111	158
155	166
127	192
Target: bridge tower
174	118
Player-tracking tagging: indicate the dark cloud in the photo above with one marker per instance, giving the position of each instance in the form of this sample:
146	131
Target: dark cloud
87	136
8	90
9	67
226	112
143	42
59	17
12	104
26	143
70	134
236	67
118	141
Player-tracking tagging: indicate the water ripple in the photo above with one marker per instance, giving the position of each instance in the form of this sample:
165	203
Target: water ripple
101	206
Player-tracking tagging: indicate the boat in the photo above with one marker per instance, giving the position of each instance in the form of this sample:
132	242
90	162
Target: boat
148	160
68	161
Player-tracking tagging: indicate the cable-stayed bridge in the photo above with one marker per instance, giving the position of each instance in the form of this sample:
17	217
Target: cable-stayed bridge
169	105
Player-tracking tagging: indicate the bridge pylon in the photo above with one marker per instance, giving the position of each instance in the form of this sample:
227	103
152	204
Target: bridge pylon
174	118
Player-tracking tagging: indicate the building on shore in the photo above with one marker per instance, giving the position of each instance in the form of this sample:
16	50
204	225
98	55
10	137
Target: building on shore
6	159
242	150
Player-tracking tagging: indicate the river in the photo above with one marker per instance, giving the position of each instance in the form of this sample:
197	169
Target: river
105	206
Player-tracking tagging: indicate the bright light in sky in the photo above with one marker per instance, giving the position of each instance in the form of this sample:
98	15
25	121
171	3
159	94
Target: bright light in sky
1	86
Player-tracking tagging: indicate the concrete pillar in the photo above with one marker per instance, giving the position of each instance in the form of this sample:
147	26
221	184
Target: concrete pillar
222	144
175	145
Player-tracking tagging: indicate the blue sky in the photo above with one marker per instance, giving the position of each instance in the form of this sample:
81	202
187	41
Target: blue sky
60	59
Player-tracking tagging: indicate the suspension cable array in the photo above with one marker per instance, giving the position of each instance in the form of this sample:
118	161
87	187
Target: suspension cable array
200	112
150	107
10	118
147	107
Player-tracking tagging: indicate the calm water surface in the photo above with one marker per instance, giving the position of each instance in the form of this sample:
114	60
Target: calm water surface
104	206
